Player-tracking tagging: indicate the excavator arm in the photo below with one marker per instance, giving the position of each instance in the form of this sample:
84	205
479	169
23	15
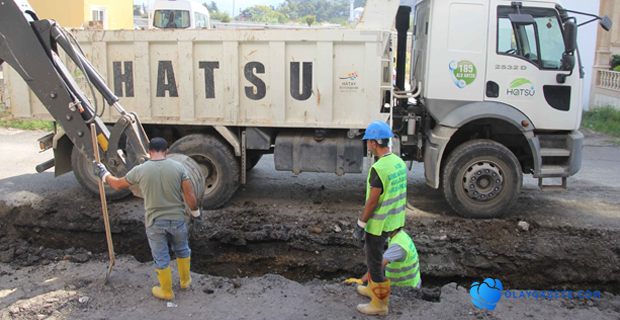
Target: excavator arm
30	46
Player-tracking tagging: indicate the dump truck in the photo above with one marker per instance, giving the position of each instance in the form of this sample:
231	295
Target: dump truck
489	91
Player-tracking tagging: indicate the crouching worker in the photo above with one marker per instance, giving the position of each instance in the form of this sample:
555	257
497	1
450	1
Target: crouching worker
400	262
166	188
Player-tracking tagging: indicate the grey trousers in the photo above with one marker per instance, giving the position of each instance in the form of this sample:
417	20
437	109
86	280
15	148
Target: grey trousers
374	247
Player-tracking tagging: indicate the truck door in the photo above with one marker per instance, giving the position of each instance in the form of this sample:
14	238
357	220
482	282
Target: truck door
525	51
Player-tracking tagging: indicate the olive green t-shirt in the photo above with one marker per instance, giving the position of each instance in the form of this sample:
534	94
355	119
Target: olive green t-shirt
160	182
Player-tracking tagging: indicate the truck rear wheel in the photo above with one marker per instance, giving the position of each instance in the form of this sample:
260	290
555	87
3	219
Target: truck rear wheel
83	170
218	163
481	179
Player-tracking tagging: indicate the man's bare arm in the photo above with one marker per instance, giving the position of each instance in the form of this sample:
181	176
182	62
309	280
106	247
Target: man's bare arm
189	195
117	183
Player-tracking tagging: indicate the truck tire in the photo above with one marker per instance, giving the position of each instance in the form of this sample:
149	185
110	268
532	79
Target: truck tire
481	179
83	170
219	164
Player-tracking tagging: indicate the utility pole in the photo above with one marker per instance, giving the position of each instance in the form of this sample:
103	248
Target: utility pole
351	8
233	11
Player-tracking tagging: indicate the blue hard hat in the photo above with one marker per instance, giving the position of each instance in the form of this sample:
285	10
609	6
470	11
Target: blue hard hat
378	130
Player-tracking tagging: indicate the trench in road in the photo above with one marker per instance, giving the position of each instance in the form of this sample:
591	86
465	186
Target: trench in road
556	258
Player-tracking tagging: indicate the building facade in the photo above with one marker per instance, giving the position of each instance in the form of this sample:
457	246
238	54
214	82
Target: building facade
606	82
88	14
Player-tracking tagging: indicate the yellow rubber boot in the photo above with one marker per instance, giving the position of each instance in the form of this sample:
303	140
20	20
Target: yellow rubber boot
363	290
164	291
379	298
184	274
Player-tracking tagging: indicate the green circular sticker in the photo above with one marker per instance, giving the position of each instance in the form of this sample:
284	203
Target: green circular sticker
464	73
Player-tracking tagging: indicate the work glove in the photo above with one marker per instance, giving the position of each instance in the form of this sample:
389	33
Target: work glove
197	219
354	281
100	170
358	232
196	213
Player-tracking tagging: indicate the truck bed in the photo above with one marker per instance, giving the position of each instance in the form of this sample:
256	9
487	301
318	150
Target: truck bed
323	78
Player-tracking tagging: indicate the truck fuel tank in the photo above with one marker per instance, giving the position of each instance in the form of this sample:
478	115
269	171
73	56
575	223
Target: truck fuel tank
332	152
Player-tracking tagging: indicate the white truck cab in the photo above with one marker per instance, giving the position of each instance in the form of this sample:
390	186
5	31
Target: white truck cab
501	72
179	14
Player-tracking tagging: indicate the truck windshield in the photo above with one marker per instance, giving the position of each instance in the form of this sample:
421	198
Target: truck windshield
166	19
541	43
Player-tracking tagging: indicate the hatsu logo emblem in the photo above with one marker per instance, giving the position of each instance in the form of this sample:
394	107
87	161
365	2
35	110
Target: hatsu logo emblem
348	81
521	87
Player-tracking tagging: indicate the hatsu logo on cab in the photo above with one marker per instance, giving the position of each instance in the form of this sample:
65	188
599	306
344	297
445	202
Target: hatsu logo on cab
521	87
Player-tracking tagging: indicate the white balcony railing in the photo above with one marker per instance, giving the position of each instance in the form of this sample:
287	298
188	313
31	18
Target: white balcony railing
609	80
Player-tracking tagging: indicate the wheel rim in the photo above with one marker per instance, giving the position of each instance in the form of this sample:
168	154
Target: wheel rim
212	178
483	181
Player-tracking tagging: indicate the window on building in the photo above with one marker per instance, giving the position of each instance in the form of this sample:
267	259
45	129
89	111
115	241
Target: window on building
97	18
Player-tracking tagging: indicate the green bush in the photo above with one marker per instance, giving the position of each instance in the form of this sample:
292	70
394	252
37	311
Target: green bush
617	68
604	120
615	61
7	121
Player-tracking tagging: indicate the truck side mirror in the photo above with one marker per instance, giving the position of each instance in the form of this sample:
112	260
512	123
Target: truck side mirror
606	23
570	36
570	43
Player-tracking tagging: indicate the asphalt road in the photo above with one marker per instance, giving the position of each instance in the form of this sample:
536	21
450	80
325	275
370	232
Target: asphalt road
592	200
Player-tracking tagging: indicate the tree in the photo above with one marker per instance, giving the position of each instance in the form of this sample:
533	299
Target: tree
211	7
137	10
310	20
215	13
263	14
220	16
324	10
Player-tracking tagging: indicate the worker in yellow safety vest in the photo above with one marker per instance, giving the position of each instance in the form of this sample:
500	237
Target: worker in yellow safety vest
400	262
384	212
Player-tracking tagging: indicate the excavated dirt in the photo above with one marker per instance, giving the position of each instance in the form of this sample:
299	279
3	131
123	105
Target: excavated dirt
253	240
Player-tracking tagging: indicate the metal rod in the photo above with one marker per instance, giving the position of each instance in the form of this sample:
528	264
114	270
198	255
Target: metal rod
104	205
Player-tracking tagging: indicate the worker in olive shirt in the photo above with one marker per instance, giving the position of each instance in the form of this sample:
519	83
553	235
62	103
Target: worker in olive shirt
384	212
164	184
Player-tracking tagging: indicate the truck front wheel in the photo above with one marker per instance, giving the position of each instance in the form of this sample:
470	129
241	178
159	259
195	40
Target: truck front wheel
218	163
83	171
481	179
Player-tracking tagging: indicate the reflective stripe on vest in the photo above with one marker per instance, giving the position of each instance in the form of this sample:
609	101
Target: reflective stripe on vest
389	214
407	272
